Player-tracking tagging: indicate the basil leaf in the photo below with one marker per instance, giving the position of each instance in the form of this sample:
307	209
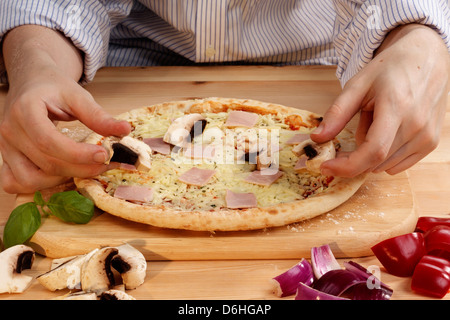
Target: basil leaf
70	206
38	199
22	223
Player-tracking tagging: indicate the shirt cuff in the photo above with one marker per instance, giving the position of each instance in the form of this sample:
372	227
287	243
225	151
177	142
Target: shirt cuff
85	23
361	28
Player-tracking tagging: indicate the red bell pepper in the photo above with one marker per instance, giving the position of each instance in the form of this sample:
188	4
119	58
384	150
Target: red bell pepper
437	241
431	276
399	255
426	223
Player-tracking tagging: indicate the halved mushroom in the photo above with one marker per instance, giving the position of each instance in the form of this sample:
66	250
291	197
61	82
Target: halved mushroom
65	273
248	142
12	261
316	153
115	295
183	129
264	161
131	265
59	261
132	151
96	274
107	143
268	157
80	295
247	145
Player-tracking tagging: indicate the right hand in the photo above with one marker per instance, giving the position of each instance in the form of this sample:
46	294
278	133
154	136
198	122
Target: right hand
36	155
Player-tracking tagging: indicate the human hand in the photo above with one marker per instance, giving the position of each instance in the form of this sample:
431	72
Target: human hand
43	71
401	96
35	154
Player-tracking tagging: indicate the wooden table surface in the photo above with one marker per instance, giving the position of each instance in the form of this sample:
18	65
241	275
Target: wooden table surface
314	89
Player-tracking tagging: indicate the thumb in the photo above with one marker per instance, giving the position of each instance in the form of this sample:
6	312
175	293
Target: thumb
90	113
345	106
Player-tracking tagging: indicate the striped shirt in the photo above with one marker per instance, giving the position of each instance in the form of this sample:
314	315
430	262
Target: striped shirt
190	32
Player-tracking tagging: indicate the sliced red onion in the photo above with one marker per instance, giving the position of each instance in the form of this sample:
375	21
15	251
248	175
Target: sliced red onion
305	292
332	282
336	282
372	289
323	260
365	275
351	283
363	292
286	283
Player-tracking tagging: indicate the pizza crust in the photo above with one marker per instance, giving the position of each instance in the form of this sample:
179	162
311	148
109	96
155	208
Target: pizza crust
338	191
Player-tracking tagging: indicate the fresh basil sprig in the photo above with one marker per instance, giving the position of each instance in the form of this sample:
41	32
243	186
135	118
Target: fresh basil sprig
25	220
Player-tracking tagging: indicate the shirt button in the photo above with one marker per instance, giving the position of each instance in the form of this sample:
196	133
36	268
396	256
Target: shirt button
210	52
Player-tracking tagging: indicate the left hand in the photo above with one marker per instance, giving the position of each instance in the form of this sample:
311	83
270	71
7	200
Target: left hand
402	98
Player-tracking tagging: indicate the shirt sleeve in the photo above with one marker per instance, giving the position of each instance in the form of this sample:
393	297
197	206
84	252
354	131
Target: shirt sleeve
361	26
87	23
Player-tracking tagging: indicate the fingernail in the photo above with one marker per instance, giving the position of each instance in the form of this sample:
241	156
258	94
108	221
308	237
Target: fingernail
326	172
100	157
318	130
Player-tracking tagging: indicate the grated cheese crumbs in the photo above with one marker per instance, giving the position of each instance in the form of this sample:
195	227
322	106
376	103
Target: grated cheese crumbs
165	170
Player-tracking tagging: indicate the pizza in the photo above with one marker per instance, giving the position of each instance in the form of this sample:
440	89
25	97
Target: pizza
219	164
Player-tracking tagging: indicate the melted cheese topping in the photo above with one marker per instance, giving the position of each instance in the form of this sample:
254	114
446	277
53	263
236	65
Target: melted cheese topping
230	175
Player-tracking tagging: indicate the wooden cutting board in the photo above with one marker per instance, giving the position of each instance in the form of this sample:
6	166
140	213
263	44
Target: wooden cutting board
382	208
